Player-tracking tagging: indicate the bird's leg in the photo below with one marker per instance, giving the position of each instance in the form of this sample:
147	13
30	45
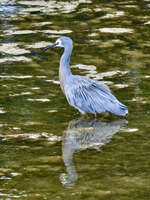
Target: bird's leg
82	117
75	122
82	112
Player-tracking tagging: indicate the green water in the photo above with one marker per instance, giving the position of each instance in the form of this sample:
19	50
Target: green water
46	151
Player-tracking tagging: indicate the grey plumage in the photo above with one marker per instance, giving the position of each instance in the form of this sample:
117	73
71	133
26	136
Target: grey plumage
85	94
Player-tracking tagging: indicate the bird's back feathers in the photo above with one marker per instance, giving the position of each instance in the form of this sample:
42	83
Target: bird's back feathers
92	96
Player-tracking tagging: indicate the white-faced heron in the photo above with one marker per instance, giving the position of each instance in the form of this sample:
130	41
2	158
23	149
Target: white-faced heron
83	93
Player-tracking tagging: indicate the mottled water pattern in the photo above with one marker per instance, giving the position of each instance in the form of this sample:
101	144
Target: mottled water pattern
46	150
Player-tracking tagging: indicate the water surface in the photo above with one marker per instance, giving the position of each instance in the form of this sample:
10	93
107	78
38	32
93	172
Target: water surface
47	151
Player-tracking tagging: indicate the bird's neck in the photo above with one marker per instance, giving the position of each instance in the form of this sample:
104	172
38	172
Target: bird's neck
64	70
65	60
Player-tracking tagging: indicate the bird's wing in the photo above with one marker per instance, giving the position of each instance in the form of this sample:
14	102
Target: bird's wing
91	96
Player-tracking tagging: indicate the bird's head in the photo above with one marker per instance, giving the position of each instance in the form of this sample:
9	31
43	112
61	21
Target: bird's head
61	42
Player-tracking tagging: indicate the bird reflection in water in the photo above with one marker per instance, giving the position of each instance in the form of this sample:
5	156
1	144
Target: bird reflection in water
83	134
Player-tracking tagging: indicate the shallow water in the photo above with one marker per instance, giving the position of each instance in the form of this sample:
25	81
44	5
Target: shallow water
47	151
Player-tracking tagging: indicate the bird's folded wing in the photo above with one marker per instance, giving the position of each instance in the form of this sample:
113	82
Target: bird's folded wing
90	96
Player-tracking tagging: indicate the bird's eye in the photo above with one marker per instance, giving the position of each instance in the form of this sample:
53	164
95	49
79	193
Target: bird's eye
58	43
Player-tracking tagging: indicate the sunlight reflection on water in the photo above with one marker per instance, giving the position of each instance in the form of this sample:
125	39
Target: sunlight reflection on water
52	6
116	30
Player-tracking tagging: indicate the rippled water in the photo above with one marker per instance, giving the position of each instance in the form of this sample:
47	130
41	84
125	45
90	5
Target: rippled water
47	151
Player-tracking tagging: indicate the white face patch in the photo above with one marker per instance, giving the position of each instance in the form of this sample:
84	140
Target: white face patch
59	43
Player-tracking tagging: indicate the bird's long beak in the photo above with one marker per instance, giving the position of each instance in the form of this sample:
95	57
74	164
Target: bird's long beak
51	46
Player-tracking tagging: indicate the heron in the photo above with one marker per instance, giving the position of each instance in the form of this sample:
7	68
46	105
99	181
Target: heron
85	94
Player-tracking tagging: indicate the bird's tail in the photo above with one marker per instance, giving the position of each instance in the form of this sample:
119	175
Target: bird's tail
122	110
